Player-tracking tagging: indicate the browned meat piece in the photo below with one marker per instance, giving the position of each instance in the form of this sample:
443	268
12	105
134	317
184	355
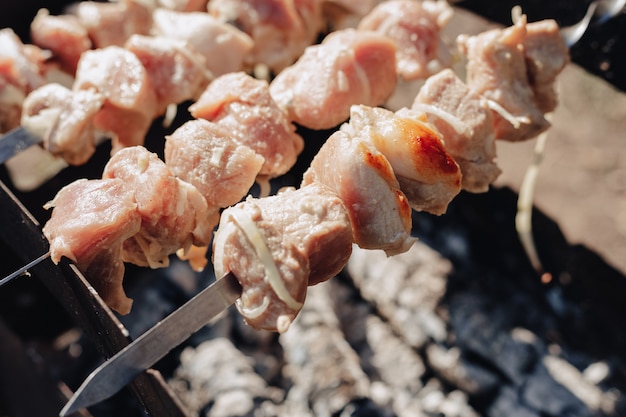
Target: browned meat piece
205	155
466	125
364	180
427	174
112	23
546	55
281	29
177	72
21	71
223	46
63	35
243	106
415	28
184	5
64	118
348	67
278	245
90	221
174	215
497	69
130	104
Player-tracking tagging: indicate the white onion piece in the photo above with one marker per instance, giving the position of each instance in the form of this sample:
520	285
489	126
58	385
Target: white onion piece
253	312
515	121
457	124
253	234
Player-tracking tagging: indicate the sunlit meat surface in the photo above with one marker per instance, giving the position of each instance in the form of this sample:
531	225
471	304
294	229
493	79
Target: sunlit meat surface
90	221
177	72
184	5
427	174
64	119
207	156
466	124
21	71
63	35
348	67
281	29
130	104
343	14
546	55
112	23
174	215
415	28
276	246
242	105
364	180
497	69
223	46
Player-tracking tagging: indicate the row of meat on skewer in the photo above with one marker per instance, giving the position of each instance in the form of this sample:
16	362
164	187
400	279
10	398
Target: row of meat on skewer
359	189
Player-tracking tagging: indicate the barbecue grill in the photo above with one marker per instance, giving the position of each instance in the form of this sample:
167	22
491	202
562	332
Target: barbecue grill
57	299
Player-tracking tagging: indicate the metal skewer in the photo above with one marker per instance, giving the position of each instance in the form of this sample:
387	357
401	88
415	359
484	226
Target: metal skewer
24	270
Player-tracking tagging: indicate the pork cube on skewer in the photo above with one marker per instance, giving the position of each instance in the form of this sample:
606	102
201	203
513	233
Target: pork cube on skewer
497	70
344	14
348	67
174	214
223	46
243	106
426	173
130	99
546	55
90	221
465	121
277	246
63	35
205	155
176	71
364	180
280	29
415	28
21	71
64	119
112	23
184	5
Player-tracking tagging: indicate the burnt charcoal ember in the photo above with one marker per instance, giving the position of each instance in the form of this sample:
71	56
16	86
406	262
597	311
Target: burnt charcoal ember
406	289
478	333
327	377
217	379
